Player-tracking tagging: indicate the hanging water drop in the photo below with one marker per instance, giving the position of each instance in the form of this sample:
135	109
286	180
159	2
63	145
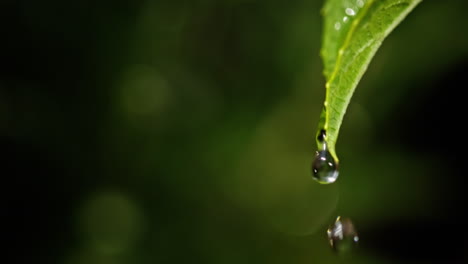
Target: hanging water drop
342	235
324	166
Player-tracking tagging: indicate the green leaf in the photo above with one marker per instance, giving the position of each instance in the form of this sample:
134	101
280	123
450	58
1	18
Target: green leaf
353	31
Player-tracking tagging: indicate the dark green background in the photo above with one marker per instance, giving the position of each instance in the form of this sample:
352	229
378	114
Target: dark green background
183	132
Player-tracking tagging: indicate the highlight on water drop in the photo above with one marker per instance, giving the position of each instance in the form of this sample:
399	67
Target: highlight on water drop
342	235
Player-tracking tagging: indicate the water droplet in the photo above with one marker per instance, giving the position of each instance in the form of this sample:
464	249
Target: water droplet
350	11
337	25
345	19
342	235
324	167
360	3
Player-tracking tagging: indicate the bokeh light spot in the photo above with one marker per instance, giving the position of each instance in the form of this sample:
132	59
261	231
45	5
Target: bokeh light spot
111	223
144	92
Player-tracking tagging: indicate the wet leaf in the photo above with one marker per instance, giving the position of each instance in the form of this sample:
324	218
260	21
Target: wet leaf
353	32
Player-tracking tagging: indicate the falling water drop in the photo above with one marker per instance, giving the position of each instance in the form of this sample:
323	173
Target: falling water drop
342	235
324	166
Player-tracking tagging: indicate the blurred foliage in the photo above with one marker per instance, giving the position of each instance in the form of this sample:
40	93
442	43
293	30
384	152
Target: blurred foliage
177	131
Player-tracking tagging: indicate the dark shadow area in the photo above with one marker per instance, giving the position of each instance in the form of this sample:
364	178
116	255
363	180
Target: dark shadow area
409	241
430	121
38	194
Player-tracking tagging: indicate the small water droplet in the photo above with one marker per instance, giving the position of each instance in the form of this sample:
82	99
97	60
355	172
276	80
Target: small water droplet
345	19
360	3
337	25
342	235
324	167
350	11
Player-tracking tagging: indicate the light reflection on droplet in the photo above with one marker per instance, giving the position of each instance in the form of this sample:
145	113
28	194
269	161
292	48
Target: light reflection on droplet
345	19
360	3
350	11
337	25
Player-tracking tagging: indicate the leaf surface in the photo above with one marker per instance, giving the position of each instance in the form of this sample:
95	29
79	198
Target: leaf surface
353	32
